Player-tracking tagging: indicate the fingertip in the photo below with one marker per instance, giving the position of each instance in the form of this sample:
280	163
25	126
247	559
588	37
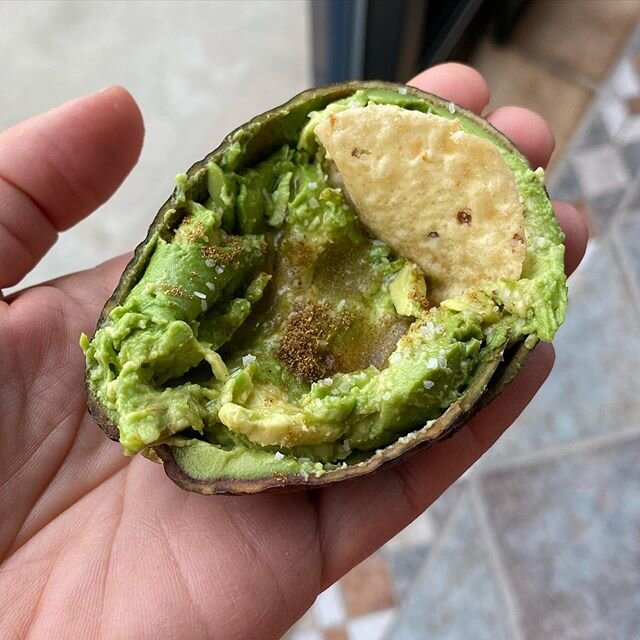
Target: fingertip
122	101
58	167
521	391
527	130
576	233
543	359
124	120
104	137
456	82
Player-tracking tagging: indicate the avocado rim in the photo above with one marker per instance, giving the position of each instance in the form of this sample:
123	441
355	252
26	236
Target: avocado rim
495	373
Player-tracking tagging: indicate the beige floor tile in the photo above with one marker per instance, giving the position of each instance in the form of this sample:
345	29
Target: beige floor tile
368	587
335	634
584	36
515	80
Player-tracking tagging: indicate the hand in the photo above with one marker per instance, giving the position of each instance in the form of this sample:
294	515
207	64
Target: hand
93	544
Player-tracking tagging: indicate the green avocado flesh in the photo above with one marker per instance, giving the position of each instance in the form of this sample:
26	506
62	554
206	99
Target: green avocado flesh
269	333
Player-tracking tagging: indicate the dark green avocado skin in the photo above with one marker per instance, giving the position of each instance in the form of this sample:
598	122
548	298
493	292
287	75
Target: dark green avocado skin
263	135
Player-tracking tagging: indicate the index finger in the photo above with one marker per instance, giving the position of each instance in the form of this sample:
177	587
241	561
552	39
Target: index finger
57	167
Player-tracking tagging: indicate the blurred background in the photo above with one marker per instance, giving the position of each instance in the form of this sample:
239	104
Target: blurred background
541	539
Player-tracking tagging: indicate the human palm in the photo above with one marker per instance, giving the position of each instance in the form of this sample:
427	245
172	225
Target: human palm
93	544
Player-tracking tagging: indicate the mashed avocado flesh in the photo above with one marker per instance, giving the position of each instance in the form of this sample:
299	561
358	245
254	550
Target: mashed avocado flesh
271	334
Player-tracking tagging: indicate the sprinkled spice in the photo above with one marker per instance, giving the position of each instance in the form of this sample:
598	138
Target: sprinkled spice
174	290
303	346
226	254
194	232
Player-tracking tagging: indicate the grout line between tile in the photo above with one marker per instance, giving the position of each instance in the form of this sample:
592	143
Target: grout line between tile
495	561
558	451
439	541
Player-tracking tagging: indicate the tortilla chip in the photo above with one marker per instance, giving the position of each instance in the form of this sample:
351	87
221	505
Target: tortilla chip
442	198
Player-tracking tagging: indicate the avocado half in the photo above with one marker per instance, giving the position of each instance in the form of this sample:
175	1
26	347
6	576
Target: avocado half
173	411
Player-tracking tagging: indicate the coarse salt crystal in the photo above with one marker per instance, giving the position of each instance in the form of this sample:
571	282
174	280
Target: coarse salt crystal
313	185
313	203
248	359
278	456
303	460
452	107
340	305
209	262
203	305
428	329
541	242
219	269
210	286
428	384
442	362
403	91
201	295
432	363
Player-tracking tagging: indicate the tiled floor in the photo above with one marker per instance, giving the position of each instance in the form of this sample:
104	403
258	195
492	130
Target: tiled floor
519	80
542	539
556	59
577	574
576	37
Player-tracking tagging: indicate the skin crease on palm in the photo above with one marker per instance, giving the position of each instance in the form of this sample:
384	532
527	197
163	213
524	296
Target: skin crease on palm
96	545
